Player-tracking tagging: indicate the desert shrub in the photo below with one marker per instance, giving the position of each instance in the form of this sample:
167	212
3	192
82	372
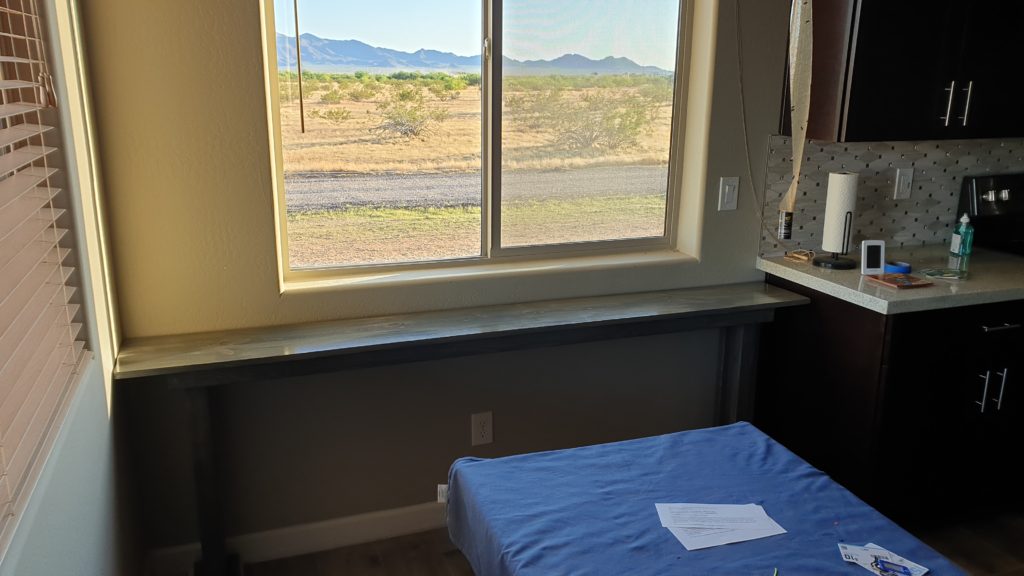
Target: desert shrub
408	94
310	85
332	96
607	119
658	93
333	115
365	91
535	110
602	121
405	114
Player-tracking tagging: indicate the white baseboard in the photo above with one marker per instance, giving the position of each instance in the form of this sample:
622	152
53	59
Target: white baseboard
306	538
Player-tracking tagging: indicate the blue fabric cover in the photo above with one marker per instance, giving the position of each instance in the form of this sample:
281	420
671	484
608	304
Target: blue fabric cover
590	510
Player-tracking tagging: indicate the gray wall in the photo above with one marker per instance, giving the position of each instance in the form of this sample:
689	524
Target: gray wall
71	524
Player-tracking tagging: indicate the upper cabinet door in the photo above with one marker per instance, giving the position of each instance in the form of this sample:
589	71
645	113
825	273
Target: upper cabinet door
989	101
917	70
901	75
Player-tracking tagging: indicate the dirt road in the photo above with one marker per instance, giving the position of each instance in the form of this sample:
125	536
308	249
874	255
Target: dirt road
330	191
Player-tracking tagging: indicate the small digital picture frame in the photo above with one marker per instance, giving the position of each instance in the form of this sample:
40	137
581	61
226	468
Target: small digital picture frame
872	259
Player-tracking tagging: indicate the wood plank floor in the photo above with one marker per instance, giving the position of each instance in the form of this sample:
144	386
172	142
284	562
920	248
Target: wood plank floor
990	544
983	544
424	554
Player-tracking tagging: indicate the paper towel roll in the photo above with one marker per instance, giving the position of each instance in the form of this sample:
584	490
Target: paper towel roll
841	200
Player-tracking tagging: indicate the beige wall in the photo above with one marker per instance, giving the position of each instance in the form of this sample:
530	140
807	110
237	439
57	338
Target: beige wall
181	118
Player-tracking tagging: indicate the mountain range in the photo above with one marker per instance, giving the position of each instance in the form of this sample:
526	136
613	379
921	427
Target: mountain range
327	55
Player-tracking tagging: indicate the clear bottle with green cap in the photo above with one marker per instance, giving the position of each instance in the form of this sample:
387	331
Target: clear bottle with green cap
960	246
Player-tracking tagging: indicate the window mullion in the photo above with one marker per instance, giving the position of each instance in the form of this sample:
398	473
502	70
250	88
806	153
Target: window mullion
494	122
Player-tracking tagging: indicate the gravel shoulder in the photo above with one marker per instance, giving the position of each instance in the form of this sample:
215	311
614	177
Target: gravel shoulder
308	192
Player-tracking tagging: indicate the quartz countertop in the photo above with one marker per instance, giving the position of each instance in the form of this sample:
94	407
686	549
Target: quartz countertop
992	277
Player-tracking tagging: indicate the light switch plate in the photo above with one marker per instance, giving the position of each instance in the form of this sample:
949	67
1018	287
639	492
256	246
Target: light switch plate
728	192
904	183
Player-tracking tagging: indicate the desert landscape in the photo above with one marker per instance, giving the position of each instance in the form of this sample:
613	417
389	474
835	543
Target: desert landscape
388	168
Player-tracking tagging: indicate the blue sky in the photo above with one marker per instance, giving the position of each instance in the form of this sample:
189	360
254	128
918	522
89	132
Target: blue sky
641	30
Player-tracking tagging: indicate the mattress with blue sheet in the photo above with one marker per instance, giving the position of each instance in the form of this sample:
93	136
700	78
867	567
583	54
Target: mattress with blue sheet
590	510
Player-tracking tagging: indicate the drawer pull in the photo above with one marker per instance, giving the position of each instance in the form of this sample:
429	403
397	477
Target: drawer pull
984	392
967	106
1002	388
949	103
1005	326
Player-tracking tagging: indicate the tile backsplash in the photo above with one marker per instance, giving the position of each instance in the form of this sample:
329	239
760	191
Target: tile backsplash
926	218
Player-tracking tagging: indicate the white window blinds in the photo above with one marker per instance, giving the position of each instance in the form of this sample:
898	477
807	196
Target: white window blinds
41	345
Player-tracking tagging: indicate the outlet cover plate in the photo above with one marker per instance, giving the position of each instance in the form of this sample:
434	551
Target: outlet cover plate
728	192
904	183
481	428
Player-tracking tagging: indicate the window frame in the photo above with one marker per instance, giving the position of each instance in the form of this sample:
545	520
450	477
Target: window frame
672	247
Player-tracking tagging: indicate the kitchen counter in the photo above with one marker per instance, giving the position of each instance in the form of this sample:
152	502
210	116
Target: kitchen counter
993	277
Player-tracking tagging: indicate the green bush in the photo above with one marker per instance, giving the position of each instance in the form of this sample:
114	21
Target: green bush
588	121
331	97
365	91
333	115
405	114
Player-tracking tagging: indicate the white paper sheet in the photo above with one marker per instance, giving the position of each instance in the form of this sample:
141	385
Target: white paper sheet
692	540
712	515
699	526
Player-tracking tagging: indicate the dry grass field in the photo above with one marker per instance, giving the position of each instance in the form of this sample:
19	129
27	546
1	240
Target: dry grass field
452	145
432	125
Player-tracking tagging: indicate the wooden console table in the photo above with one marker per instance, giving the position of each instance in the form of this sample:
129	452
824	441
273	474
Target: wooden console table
203	363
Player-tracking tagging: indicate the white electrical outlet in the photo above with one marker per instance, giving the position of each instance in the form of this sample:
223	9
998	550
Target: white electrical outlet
482	428
904	183
728	192
442	493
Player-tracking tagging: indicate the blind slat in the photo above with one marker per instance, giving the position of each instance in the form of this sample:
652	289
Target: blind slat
11	275
19	60
22	157
16	84
14	299
15	108
13	337
37	232
33	419
20	132
22	182
28	360
24	207
32	230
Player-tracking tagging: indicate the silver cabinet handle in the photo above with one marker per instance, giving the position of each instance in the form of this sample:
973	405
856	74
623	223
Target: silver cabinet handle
967	105
949	103
1005	326
1002	388
984	392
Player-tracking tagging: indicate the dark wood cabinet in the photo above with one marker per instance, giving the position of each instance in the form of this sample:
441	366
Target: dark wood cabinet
897	407
916	70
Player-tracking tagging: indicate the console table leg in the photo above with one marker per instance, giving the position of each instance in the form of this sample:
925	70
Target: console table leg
215	561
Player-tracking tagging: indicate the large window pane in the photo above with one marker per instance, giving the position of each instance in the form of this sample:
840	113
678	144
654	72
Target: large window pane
388	167
586	119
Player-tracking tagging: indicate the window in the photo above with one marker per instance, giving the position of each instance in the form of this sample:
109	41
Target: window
41	349
457	131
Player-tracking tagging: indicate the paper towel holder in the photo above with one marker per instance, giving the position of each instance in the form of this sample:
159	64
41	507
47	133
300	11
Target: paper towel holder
835	238
835	260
